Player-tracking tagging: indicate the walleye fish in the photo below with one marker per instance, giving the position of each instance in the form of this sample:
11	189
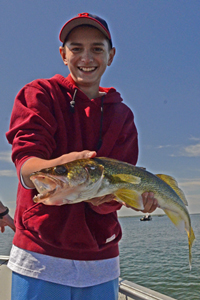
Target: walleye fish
85	179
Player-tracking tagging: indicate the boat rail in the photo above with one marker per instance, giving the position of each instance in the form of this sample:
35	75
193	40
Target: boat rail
5	279
127	290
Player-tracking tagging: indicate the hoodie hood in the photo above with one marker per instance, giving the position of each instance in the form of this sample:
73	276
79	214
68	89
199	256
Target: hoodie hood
111	95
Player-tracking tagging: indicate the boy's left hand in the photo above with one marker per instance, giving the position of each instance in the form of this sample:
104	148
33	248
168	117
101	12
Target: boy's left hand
149	202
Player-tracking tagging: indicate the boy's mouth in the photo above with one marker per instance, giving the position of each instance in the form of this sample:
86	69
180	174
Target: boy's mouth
87	69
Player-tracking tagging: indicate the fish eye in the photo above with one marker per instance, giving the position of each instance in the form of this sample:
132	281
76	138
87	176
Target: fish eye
90	167
60	170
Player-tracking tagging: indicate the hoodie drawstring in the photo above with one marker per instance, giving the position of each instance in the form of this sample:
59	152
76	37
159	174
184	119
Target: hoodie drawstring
101	125
72	103
72	109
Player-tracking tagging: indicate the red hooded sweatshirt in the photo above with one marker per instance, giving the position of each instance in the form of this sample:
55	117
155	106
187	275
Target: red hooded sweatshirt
46	123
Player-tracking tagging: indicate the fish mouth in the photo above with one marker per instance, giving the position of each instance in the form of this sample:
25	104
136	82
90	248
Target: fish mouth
45	185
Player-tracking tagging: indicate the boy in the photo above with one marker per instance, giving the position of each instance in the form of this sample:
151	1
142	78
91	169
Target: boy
70	251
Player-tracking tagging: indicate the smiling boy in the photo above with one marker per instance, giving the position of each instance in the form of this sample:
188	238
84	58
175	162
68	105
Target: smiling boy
87	53
70	251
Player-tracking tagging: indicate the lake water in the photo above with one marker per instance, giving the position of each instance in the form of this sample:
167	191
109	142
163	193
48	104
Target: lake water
153	254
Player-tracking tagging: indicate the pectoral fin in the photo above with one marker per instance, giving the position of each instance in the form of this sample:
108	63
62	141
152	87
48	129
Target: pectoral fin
174	185
127	178
130	197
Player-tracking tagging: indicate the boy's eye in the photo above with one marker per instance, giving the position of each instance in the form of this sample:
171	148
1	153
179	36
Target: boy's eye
98	49
76	49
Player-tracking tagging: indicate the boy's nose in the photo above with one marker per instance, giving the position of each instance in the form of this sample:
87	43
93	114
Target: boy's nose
87	57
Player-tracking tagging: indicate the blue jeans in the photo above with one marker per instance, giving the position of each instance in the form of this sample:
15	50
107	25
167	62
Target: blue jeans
28	288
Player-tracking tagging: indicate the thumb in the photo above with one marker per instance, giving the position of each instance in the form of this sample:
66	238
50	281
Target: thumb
90	154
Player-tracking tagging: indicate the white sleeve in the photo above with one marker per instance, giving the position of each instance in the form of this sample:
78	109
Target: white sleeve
22	180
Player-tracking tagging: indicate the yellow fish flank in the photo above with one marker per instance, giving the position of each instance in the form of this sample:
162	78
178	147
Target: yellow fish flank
85	179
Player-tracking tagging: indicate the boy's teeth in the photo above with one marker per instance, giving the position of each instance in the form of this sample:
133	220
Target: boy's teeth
87	69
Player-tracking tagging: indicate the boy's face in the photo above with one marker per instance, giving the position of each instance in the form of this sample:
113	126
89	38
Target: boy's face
87	54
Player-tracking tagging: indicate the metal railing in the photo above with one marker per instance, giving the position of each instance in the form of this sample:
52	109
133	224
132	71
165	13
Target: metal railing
129	290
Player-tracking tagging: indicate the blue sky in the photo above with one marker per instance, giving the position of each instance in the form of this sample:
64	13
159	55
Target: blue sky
156	70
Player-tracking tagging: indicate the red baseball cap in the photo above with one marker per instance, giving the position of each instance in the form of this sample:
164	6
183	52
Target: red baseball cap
85	19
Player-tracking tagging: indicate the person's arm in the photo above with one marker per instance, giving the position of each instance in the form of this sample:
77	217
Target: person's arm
5	219
35	164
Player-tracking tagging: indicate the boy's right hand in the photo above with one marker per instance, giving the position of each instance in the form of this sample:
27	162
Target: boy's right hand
34	164
65	158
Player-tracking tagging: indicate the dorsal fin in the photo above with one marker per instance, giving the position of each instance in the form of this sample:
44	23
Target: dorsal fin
174	185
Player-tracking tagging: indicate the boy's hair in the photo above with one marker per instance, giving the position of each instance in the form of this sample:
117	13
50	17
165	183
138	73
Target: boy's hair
85	19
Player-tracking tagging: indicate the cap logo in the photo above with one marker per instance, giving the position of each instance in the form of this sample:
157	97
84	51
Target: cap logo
83	15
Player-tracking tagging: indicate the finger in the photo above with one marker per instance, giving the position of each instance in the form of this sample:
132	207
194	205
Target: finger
100	200
95	201
78	155
89	154
2	229
104	199
109	197
154	206
151	203
145	196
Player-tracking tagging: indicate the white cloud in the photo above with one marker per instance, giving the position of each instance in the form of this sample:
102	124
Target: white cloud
190	184
191	189
192	150
5	156
194	138
8	173
165	146
185	151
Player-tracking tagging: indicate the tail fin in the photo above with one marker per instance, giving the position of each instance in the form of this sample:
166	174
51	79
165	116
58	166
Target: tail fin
191	238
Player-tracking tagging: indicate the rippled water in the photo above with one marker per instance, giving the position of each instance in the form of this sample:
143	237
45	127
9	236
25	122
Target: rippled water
6	241
154	254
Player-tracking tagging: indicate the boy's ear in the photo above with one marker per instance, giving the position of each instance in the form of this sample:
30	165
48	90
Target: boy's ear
63	55
111	56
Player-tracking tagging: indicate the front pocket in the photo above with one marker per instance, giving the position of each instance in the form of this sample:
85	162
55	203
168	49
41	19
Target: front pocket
60	226
105	228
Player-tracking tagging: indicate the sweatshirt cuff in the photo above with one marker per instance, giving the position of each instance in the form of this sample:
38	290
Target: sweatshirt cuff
21	177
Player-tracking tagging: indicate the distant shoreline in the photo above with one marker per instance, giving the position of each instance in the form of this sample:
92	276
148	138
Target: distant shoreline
153	215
